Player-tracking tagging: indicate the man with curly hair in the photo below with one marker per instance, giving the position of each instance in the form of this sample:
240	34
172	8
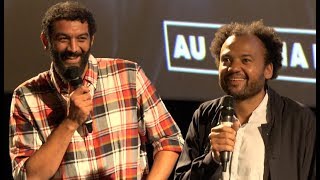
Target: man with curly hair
270	137
87	117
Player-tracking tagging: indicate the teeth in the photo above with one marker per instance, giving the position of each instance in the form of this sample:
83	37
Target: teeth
236	79
72	58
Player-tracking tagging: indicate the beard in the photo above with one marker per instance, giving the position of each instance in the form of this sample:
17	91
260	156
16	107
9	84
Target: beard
59	58
249	89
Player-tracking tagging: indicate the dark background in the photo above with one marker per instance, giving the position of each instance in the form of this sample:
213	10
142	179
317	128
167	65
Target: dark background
133	29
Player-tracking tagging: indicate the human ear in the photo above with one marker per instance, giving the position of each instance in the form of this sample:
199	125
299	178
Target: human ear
92	39
44	40
268	71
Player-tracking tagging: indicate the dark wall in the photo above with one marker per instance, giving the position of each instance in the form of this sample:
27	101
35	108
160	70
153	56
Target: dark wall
4	154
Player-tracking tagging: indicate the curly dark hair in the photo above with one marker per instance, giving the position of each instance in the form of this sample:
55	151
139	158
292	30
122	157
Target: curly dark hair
68	10
267	35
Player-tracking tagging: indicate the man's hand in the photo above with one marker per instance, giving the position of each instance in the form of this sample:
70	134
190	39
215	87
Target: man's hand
222	138
80	105
37	166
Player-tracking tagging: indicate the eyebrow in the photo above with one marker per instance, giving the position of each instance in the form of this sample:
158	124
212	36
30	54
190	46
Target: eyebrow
64	34
228	54
246	55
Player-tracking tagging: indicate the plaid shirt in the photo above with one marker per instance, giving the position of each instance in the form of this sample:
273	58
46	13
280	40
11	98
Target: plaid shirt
127	115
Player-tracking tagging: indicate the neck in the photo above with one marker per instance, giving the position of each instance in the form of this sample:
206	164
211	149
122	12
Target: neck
244	108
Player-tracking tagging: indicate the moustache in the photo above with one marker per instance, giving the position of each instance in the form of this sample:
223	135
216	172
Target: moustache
235	76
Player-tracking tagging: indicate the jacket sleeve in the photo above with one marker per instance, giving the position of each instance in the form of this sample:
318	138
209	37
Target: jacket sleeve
310	148
194	162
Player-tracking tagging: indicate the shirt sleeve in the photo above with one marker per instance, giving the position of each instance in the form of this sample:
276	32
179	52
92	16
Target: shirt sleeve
23	138
160	128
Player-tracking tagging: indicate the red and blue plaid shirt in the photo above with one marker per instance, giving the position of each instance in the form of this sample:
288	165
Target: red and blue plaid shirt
127	114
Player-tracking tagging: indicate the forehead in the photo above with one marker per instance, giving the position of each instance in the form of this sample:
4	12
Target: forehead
244	43
67	26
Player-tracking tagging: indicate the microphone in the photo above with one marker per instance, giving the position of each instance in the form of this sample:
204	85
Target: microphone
72	74
227	113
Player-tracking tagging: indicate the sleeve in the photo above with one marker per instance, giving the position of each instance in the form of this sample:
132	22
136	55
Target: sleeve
23	139
160	128
309	162
193	163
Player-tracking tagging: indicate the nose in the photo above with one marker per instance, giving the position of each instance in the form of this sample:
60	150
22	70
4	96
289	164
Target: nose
235	65
74	46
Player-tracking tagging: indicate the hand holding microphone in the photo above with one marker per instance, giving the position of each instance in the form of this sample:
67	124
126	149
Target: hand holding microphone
223	136
80	99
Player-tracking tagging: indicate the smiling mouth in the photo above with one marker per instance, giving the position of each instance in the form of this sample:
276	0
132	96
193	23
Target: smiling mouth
74	59
234	78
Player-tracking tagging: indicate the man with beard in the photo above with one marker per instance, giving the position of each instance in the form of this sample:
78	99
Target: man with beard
271	137
49	134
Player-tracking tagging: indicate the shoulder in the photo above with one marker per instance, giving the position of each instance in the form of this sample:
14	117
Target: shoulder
208	105
211	105
287	103
207	110
298	109
116	63
288	108
38	84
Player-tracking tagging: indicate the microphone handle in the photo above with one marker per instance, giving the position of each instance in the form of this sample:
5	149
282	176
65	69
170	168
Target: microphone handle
225	155
88	124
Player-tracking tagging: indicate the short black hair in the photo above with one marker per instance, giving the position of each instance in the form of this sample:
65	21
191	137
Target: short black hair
68	10
266	34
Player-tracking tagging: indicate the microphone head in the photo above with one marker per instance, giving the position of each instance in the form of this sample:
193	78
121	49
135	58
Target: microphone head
227	106
72	74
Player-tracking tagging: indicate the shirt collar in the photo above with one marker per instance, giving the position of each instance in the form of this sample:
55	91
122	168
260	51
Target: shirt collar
259	114
263	105
260	111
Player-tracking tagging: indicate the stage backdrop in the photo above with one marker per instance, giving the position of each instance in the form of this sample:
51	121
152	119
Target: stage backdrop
170	39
